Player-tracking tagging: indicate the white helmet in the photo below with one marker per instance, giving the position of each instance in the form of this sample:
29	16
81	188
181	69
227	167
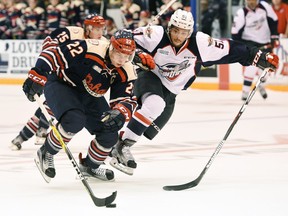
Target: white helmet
182	19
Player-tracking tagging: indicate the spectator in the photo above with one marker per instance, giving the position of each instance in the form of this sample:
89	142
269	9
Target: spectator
213	10
96	6
75	12
4	21
34	20
131	12
281	9
56	16
15	25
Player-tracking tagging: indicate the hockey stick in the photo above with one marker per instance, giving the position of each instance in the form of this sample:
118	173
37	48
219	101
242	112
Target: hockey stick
197	180
97	201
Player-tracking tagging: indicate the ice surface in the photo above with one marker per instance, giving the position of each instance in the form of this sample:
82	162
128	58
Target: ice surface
249	177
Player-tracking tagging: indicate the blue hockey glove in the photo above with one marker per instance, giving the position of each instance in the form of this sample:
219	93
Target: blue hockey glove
113	120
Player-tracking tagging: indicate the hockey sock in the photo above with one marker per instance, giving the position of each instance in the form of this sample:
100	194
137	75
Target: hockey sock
52	143
30	128
96	154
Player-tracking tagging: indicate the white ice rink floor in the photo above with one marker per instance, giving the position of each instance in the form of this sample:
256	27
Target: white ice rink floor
249	177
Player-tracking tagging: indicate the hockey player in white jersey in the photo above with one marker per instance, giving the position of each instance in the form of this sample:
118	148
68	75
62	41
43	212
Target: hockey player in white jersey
179	54
94	27
256	25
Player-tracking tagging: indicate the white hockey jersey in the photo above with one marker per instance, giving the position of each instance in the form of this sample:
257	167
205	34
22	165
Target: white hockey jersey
255	25
177	69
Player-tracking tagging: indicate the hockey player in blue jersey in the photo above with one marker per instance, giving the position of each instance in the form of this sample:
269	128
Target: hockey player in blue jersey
179	54
94	27
81	72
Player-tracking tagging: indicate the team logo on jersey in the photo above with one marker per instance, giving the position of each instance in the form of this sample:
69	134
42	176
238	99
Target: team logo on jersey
95	87
171	70
163	52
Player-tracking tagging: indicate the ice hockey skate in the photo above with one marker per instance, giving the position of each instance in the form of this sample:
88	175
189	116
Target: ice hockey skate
262	91
41	135
45	163
122	158
99	173
16	143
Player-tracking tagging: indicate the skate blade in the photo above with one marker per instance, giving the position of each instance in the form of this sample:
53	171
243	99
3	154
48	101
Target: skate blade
127	170
45	177
88	177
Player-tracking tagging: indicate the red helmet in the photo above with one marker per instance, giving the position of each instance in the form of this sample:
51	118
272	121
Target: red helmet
94	20
123	41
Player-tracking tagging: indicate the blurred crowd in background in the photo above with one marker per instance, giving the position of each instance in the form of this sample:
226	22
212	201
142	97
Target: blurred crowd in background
35	19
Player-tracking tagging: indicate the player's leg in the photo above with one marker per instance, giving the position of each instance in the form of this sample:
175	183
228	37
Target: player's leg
149	91
42	131
71	119
27	131
101	146
249	74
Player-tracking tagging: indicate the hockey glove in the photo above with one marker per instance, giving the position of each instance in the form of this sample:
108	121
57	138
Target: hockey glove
144	60
34	84
264	59
113	120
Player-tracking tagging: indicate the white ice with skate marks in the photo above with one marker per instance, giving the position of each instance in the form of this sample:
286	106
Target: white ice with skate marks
249	176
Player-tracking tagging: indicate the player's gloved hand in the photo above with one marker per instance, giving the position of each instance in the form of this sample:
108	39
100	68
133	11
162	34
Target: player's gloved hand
144	60
264	59
34	84
113	120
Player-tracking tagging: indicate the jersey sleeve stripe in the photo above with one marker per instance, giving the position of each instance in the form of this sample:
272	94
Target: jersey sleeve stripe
95	58
122	74
49	60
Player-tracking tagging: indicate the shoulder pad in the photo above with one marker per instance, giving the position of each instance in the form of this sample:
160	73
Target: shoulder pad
104	39
130	70
76	32
97	46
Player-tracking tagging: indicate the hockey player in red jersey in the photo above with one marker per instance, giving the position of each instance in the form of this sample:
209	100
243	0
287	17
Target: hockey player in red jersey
82	71
179	54
94	28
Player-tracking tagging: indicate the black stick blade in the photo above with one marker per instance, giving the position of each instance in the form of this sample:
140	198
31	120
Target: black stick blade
100	202
188	185
180	187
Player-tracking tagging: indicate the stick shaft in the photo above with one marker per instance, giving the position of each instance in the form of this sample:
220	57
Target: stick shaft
97	201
